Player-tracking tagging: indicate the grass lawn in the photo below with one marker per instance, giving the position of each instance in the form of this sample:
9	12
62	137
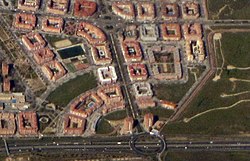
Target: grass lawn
236	49
116	115
207	156
173	92
158	111
229	9
71	89
103	127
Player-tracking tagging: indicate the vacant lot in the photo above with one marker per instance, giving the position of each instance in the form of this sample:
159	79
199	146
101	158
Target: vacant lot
71	89
229	9
158	111
228	96
175	92
207	156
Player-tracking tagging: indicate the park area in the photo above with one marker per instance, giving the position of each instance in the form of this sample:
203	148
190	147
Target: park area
71	89
222	106
107	124
228	9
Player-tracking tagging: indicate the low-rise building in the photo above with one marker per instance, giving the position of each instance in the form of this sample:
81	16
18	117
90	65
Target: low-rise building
33	41
112	97
107	75
43	56
27	123
53	70
25	21
13	100
148	121
137	72
73	125
7	124
171	32
190	10
170	11
91	33
168	104
149	32
85	104
126	9
83	8
131	51
145	11
52	24
59	7
28	5
101	54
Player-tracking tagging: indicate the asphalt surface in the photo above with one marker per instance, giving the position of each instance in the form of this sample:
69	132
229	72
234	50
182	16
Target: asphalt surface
124	144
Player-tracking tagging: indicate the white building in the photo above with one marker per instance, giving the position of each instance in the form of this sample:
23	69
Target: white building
107	75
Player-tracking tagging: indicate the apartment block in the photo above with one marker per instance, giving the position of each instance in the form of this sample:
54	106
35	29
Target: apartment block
25	21
192	31
27	123
74	125
53	70
148	121
112	97
5	69
6	85
128	125
170	11
59	7
195	50
107	75
33	41
7	124
137	72
91	33
85	104
43	56
83	8
149	32
125	9
131	51
28	5
171	32
101	54
52	24
190	10
145	11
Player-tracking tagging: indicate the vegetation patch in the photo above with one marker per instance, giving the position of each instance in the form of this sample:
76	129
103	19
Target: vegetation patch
116	115
229	9
71	89
208	156
222	105
158	111
174	92
104	127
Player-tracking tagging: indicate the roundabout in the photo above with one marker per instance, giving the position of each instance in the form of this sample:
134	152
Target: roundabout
147	144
